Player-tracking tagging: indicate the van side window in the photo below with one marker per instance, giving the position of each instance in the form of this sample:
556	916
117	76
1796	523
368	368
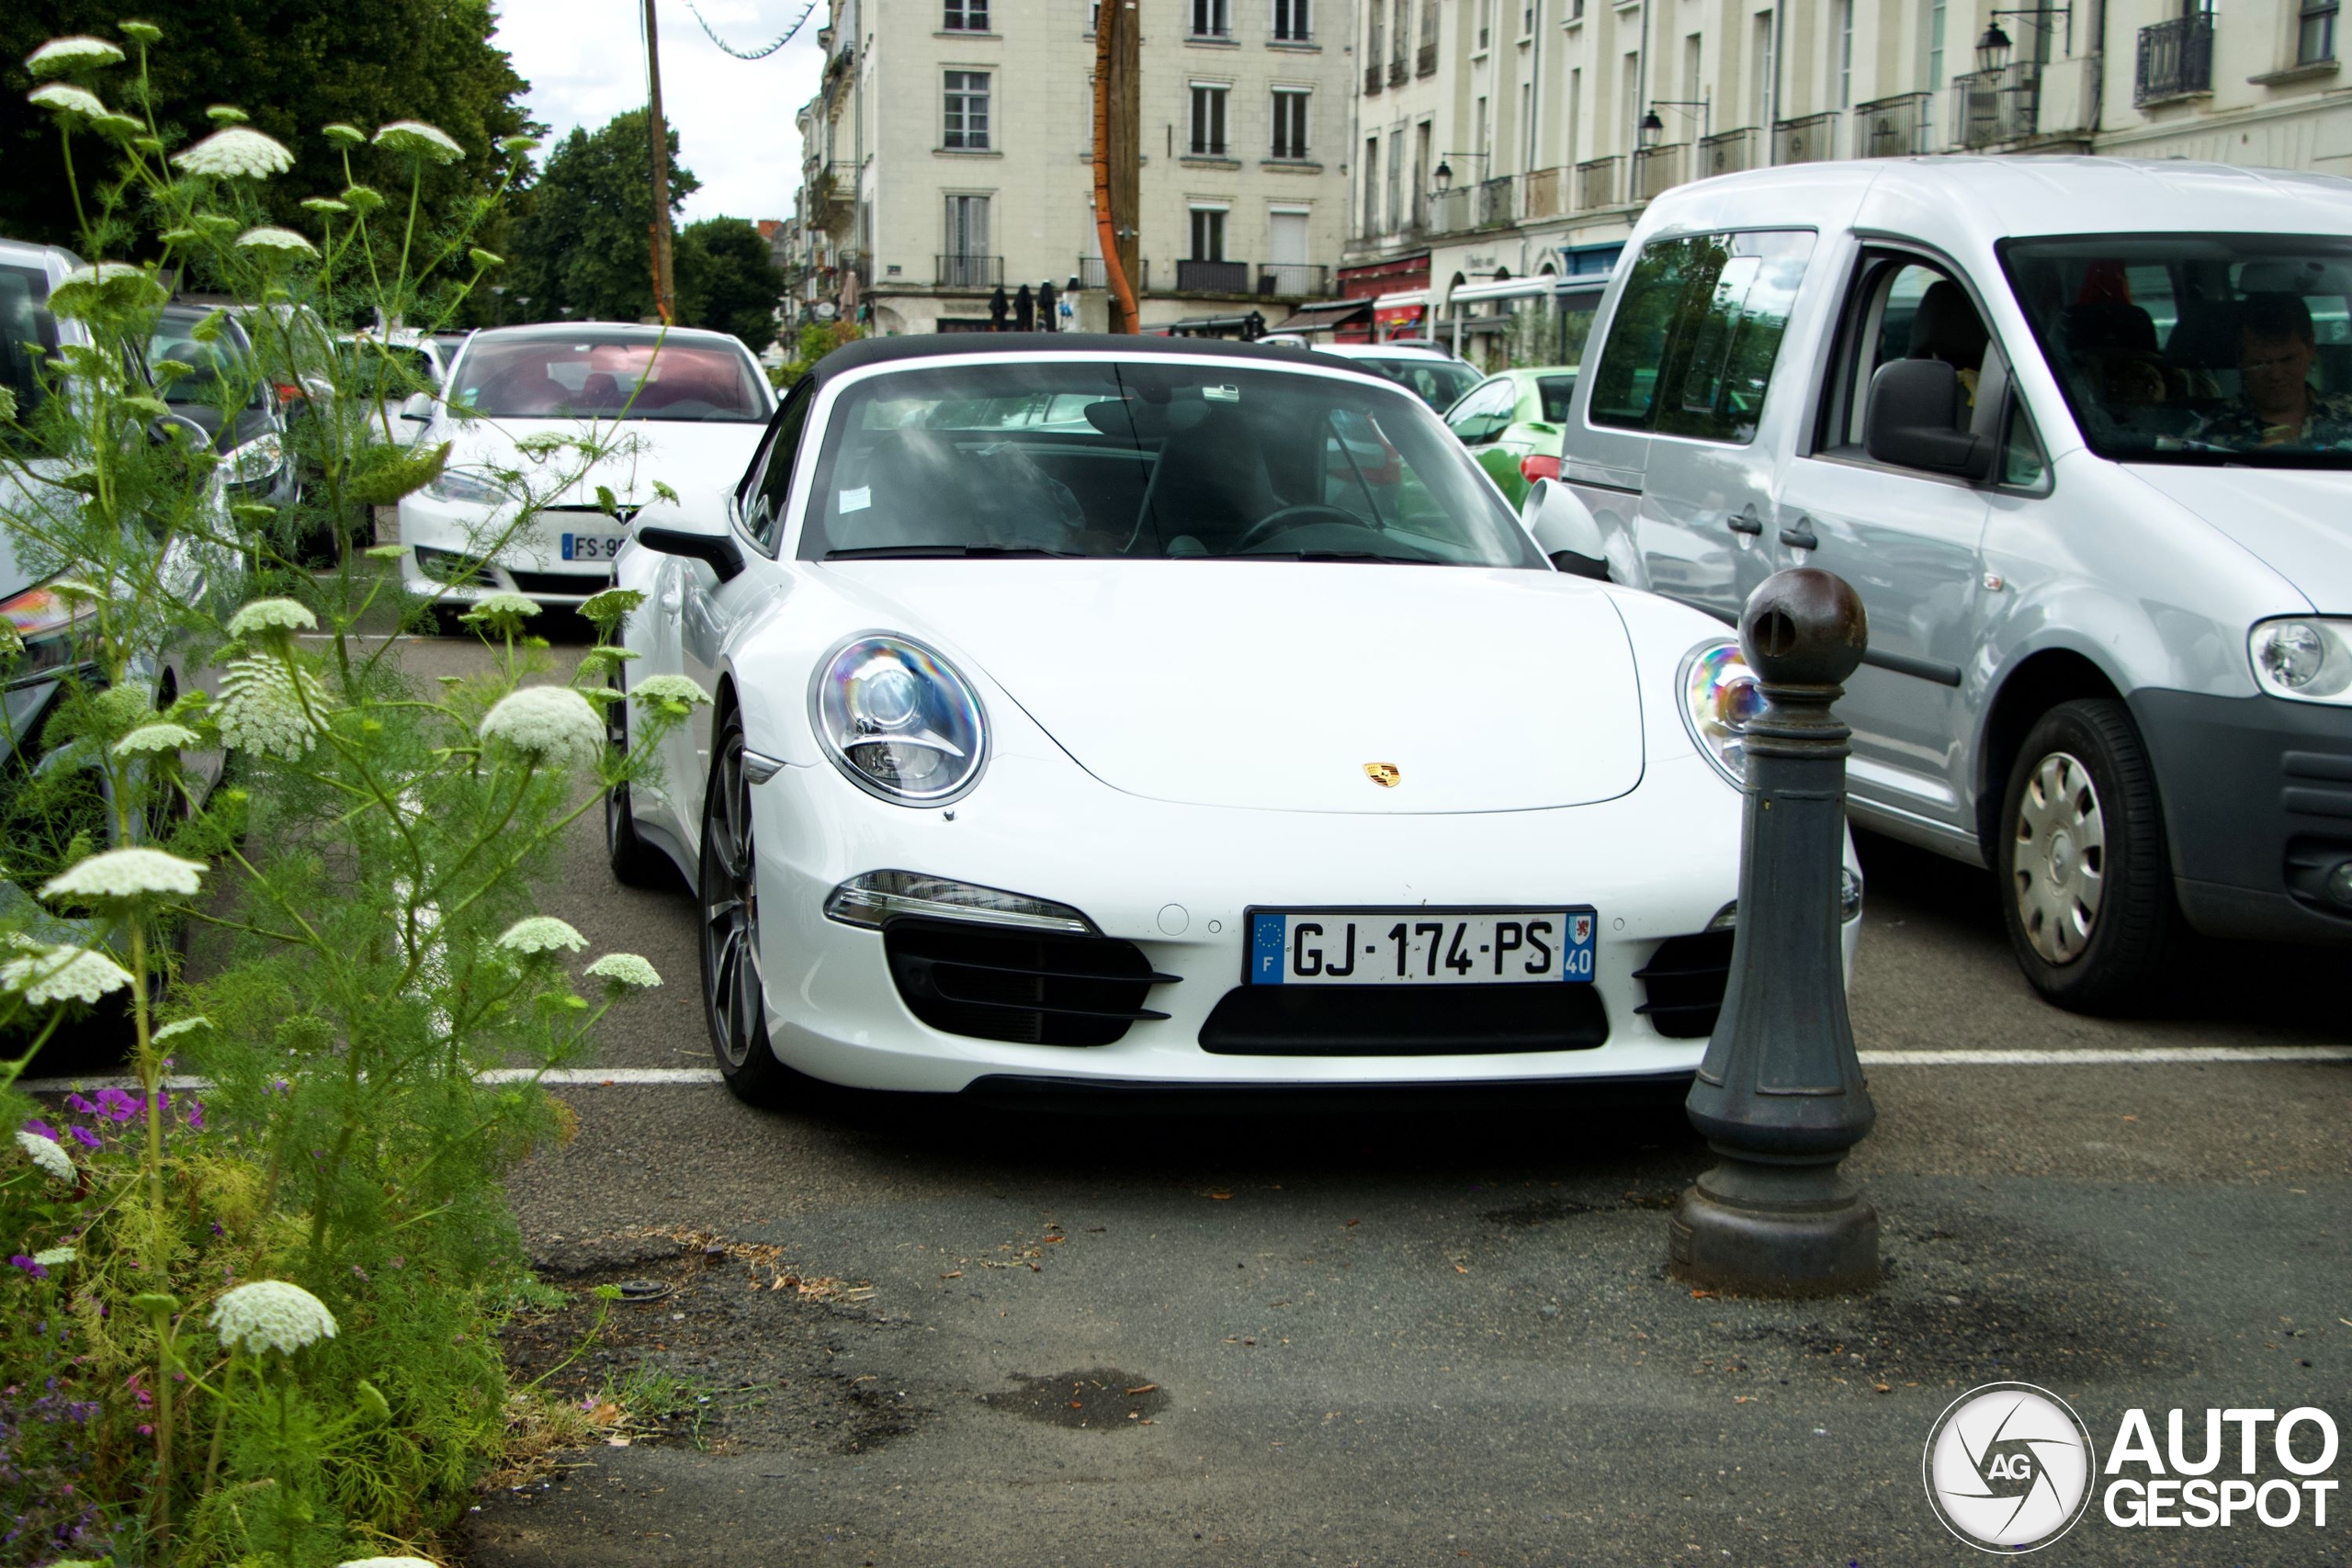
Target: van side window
2022	466
770	487
1692	347
1904	309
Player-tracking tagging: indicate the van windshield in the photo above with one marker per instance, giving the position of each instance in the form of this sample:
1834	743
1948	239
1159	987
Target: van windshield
2207	349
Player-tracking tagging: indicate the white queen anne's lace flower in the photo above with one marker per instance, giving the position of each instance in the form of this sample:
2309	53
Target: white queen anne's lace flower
503	603
541	933
626	968
385	1562
52	1257
61	974
270	237
66	98
669	688
415	138
47	1154
149	739
554	724
174	1029
271	1314
124	873
80	52
236	151
271	616
260	709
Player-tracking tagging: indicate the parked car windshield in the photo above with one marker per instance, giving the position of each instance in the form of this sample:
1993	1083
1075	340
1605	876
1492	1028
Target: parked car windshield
596	375
28	335
2197	348
1437	382
221	369
1149	459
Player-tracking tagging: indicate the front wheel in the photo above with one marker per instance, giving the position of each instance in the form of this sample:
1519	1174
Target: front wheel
2087	883
734	991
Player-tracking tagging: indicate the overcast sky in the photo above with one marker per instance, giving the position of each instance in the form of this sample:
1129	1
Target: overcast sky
585	63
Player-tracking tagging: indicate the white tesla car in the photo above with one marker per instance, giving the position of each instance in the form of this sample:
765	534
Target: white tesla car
687	409
1097	712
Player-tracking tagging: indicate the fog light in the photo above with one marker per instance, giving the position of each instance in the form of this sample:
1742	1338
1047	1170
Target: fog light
452	567
870	899
2337	884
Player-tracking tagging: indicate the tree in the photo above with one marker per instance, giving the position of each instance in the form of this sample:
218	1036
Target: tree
728	281
584	244
295	66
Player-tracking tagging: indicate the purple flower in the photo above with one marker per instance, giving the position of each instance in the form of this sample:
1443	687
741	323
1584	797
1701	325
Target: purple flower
35	1125
84	1136
76	1103
116	1106
195	1115
21	1261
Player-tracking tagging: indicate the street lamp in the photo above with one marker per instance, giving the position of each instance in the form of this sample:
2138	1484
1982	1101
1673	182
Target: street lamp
1445	176
1652	127
1650	130
1993	50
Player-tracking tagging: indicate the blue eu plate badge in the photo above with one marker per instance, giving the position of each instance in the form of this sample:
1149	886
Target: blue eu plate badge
1422	946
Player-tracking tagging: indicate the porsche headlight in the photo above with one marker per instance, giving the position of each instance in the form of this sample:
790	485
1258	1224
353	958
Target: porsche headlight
898	720
1719	698
2308	658
46	622
453	485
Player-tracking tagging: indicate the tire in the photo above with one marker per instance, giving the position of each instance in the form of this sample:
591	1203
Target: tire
635	862
734	1002
2085	877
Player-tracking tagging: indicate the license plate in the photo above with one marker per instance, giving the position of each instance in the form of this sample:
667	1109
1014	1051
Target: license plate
1422	947
593	546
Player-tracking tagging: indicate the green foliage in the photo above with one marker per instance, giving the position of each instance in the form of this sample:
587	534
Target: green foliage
583	242
817	340
292	66
728	281
358	888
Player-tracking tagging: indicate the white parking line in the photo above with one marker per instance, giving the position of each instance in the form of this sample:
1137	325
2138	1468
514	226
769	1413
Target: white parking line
2156	1055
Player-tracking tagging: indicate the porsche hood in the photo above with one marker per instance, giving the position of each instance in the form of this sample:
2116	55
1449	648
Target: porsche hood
1299	687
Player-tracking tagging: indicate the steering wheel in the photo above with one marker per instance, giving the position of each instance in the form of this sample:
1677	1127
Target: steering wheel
1282	520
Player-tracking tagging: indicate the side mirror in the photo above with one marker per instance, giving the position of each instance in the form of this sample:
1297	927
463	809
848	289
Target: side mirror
717	551
419	407
1564	529
177	427
1913	421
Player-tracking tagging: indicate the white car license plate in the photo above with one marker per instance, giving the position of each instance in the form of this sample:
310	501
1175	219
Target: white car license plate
1420	947
593	546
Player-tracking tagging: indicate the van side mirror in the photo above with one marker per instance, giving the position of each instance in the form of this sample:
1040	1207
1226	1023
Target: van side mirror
419	408
1913	421
1564	529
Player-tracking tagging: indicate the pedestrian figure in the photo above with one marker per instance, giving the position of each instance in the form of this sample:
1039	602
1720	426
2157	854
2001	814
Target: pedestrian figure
998	305
1049	320
1024	310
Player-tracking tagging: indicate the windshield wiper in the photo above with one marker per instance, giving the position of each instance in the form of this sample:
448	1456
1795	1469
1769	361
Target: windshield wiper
1338	555
951	552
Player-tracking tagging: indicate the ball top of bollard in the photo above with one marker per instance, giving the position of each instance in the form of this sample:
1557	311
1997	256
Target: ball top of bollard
1804	628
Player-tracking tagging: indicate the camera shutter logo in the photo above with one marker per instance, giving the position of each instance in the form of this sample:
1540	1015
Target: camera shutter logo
2009	1467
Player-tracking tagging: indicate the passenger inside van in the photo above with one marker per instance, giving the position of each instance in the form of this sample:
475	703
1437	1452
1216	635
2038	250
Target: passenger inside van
2277	404
1947	327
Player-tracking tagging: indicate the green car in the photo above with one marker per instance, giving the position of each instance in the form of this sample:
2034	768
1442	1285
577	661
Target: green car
1511	423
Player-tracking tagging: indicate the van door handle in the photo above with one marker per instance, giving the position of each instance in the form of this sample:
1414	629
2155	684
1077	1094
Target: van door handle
1745	521
1800	536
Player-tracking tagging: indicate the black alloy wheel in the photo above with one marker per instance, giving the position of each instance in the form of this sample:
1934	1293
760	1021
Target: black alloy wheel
734	1000
2086	878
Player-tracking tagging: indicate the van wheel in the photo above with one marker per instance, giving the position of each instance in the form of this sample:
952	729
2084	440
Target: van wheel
2086	882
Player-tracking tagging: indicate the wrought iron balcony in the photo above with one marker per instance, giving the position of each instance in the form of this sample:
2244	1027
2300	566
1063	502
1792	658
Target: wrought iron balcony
1989	108
1894	127
2175	60
1544	193
1597	180
1657	170
1091	275
1425	61
1729	152
970	271
1396	75
1372	78
1812	140
1211	277
1449	210
1497	202
1293	281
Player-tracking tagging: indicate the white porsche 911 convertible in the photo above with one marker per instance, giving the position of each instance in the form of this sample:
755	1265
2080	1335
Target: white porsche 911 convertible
1130	714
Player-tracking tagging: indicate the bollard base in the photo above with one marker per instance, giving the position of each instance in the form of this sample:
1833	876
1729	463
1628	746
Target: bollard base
1762	1230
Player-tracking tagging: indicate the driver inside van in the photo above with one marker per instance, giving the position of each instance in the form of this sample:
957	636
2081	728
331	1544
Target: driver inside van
2277	405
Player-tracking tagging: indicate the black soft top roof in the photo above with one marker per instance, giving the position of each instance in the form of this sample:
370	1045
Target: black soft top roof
1095	346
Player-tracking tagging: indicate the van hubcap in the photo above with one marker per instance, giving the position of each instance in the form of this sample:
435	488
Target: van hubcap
2060	858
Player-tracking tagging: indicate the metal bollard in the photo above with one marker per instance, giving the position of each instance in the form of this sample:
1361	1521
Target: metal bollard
1780	1094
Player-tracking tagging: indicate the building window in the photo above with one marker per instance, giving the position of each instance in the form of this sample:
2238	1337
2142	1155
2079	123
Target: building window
1208	120
968	16
1371	185
1212	18
967	225
1290	123
1936	46
967	112
1485	21
1290	21
2315	33
1846	53
1208	233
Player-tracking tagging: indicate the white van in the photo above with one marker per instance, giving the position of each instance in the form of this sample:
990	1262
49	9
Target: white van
2079	431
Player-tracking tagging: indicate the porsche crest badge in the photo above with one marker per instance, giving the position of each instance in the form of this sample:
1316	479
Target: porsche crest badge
1385	774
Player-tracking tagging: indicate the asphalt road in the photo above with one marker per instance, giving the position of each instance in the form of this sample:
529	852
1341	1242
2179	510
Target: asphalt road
1428	1337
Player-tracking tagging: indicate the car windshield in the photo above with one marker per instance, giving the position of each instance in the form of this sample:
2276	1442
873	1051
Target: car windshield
1149	459
2197	348
591	373
221	370
390	371
28	335
1437	382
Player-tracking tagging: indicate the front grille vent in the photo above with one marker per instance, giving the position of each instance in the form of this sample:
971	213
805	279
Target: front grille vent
1036	989
581	583
1405	1021
1684	981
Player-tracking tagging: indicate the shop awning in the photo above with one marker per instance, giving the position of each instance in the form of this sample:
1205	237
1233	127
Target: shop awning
1400	310
1319	315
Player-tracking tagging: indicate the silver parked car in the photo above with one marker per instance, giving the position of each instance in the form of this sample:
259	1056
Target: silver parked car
2080	432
